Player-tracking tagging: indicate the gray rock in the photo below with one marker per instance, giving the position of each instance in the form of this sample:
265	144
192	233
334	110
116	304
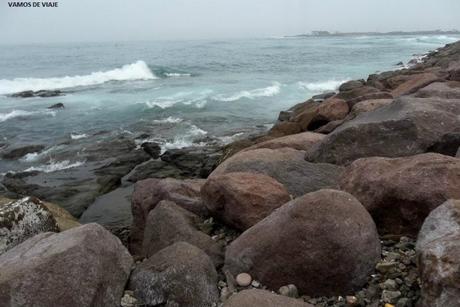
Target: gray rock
262	298
20	152
23	219
83	266
390	297
351	85
179	275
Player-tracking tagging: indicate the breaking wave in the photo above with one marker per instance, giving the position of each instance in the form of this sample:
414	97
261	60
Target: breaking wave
186	140
23	114
54	166
269	91
198	99
317	87
168	120
135	71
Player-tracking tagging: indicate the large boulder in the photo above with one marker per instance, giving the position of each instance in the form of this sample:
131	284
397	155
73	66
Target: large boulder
401	192
23	219
83	266
405	127
369	105
168	223
438	256
262	298
243	199
179	275
18	152
299	141
414	83
446	90
287	166
324	242
148	193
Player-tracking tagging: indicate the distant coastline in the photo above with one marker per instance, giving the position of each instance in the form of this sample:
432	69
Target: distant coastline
335	34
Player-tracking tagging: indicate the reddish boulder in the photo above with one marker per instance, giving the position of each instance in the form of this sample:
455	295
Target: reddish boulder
414	83
400	193
324	242
299	141
369	105
243	199
446	90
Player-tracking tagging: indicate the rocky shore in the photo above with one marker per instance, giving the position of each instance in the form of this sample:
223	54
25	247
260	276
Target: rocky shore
351	199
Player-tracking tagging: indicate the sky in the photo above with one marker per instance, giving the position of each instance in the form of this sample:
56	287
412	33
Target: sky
124	20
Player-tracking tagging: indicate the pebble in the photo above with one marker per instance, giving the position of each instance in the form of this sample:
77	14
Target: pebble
351	300
289	291
390	296
255	284
389	284
128	299
243	279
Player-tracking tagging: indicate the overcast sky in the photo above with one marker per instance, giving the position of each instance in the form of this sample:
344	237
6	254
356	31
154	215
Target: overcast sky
109	20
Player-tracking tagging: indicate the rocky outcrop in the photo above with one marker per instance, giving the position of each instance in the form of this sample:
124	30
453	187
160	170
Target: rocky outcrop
19	152
287	166
300	141
179	275
23	219
83	266
168	223
406	127
41	93
414	83
148	193
445	90
241	200
262	298
438	254
326	235
400	193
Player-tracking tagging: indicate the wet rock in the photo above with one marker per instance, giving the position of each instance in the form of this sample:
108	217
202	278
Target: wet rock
156	169
152	148
289	290
399	193
287	166
19	152
168	223
323	96
23	219
87	260
300	141
336	256
64	219
59	105
41	93
262	298
358	94
148	193
438	256
243	199
179	275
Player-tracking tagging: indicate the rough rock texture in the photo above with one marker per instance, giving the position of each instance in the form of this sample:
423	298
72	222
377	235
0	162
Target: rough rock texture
83	266
23	219
18	152
438	255
287	166
148	193
168	223
406	127
241	200
446	90
262	298
64	219
400	193
179	275
332	109
369	105
299	141
306	238
414	83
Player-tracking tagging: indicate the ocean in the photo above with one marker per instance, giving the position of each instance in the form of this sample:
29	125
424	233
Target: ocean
177	93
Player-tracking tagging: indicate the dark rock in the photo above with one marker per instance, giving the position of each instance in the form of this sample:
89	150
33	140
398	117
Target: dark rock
351	85
284	116
20	152
326	235
57	106
179	275
153	149
323	96
399	193
262	298
42	93
168	223
242	199
83	266
156	169
287	166
448	144
358	93
371	96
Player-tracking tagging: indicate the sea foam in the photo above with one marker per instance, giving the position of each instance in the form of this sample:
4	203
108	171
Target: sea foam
269	91
322	86
54	166
22	114
135	71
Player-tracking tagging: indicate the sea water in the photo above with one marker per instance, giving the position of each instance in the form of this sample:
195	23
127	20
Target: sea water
179	93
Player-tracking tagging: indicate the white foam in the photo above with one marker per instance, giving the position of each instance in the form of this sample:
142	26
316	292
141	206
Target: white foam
177	75
186	98
54	166
269	91
22	113
135	71
35	156
75	136
322	86
168	120
185	140
230	138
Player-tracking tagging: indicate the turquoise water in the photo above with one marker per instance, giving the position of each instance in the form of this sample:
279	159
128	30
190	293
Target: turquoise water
179	93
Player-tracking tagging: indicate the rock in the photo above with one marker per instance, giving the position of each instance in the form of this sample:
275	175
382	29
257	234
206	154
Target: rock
351	85
405	127
414	83
448	144
351	300
390	296
445	90
323	96
329	127
179	275
454	71
20	152
400	193
326	235
148	193
284	116
262	298
64	219
83	266
242	199
299	141
287	166
152	148
156	169
289	290
284	128
23	219
330	110
358	94
369	96
168	223
59	105
438	256
369	105
243	279
41	93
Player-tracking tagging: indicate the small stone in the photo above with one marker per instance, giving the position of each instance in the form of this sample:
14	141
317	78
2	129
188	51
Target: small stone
385	267
390	296
225	294
221	284
389	284
243	279
289	291
403	302
255	284
128	299
351	300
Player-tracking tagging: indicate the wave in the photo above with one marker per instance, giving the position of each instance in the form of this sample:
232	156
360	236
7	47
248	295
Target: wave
135	71
54	166
75	136
186	140
23	114
437	39
230	138
186	98
177	75
168	120
323	86
269	91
